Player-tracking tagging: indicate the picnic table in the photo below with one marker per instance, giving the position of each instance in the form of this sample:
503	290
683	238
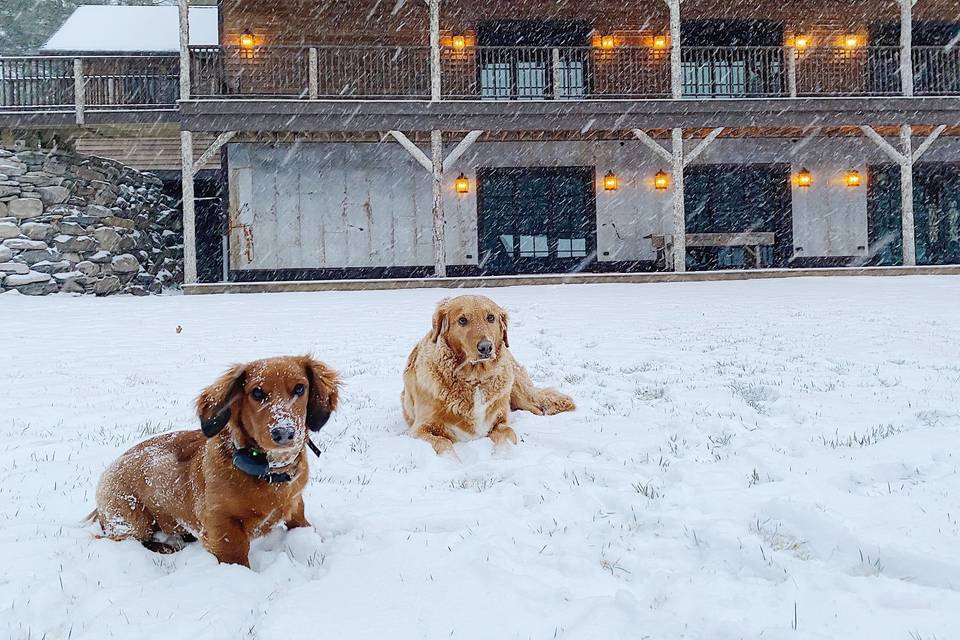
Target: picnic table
749	240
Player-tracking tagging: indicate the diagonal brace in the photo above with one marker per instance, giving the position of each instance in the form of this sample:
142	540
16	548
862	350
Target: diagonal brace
929	140
653	144
211	151
461	148
413	150
885	146
703	145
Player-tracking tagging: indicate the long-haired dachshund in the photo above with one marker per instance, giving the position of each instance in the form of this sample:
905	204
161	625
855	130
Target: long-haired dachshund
240	475
461	381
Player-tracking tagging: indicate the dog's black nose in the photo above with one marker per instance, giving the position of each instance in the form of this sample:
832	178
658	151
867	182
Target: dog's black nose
282	435
485	348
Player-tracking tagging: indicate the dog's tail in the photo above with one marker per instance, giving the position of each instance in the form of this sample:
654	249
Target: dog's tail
524	396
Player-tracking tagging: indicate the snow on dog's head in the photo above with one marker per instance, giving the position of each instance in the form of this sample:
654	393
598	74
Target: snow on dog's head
269	404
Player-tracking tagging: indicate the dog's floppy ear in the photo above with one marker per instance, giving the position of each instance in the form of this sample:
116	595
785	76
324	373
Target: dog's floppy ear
440	321
213	404
324	392
504	318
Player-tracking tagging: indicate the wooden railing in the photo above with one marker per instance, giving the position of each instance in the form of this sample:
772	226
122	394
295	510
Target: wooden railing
470	73
57	81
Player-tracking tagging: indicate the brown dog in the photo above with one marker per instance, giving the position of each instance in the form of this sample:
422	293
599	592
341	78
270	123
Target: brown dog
243	474
461	382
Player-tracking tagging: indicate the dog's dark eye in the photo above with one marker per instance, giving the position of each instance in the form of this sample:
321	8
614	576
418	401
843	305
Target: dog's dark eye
463	321
299	389
258	394
491	317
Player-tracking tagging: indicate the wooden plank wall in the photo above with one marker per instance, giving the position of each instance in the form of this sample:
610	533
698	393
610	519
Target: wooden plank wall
356	205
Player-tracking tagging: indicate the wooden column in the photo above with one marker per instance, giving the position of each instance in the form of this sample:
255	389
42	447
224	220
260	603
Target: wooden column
679	215
434	50
186	155
439	249
676	61
906	157
189	215
906	197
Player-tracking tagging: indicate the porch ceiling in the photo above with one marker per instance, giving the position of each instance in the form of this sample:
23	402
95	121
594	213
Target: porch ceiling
585	115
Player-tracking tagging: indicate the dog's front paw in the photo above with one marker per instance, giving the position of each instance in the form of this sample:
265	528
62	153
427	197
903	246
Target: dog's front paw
555	402
502	435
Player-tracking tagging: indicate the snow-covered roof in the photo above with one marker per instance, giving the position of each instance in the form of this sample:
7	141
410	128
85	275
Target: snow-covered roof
107	28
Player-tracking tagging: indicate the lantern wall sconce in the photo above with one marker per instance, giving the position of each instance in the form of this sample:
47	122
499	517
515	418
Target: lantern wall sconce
661	181
247	39
852	178
851	41
801	42
611	182
462	184
804	178
607	42
459	42
659	42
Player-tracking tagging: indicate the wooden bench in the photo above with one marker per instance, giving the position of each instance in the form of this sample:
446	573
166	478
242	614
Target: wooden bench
749	240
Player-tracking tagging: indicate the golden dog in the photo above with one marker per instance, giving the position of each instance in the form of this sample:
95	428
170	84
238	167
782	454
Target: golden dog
461	382
234	480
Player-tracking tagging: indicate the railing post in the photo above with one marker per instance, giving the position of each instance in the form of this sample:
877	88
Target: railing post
184	16
314	72
906	47
557	73
676	60
435	92
79	90
792	71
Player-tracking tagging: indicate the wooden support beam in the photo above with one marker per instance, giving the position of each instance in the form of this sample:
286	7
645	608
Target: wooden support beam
690	157
184	18
461	148
439	247
212	150
929	140
655	146
885	146
906	197
187	204
679	214
413	150
79	91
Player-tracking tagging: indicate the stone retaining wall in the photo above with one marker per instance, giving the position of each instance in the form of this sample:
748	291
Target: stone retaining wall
81	224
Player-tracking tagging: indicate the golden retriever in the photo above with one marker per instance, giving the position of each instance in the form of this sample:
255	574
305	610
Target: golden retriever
461	382
239	476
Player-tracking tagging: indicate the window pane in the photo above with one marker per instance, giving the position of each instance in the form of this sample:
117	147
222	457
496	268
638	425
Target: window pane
495	81
579	247
507	242
564	248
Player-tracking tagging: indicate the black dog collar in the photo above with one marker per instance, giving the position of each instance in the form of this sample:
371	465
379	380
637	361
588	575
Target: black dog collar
253	462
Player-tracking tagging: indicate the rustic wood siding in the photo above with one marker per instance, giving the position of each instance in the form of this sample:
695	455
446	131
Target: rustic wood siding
406	22
144	153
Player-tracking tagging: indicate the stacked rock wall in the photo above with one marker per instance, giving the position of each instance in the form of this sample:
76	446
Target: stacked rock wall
81	224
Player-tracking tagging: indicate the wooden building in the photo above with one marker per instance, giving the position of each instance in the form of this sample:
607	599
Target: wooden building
403	138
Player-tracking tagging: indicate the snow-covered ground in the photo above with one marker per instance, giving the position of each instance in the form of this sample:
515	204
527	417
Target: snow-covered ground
774	459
